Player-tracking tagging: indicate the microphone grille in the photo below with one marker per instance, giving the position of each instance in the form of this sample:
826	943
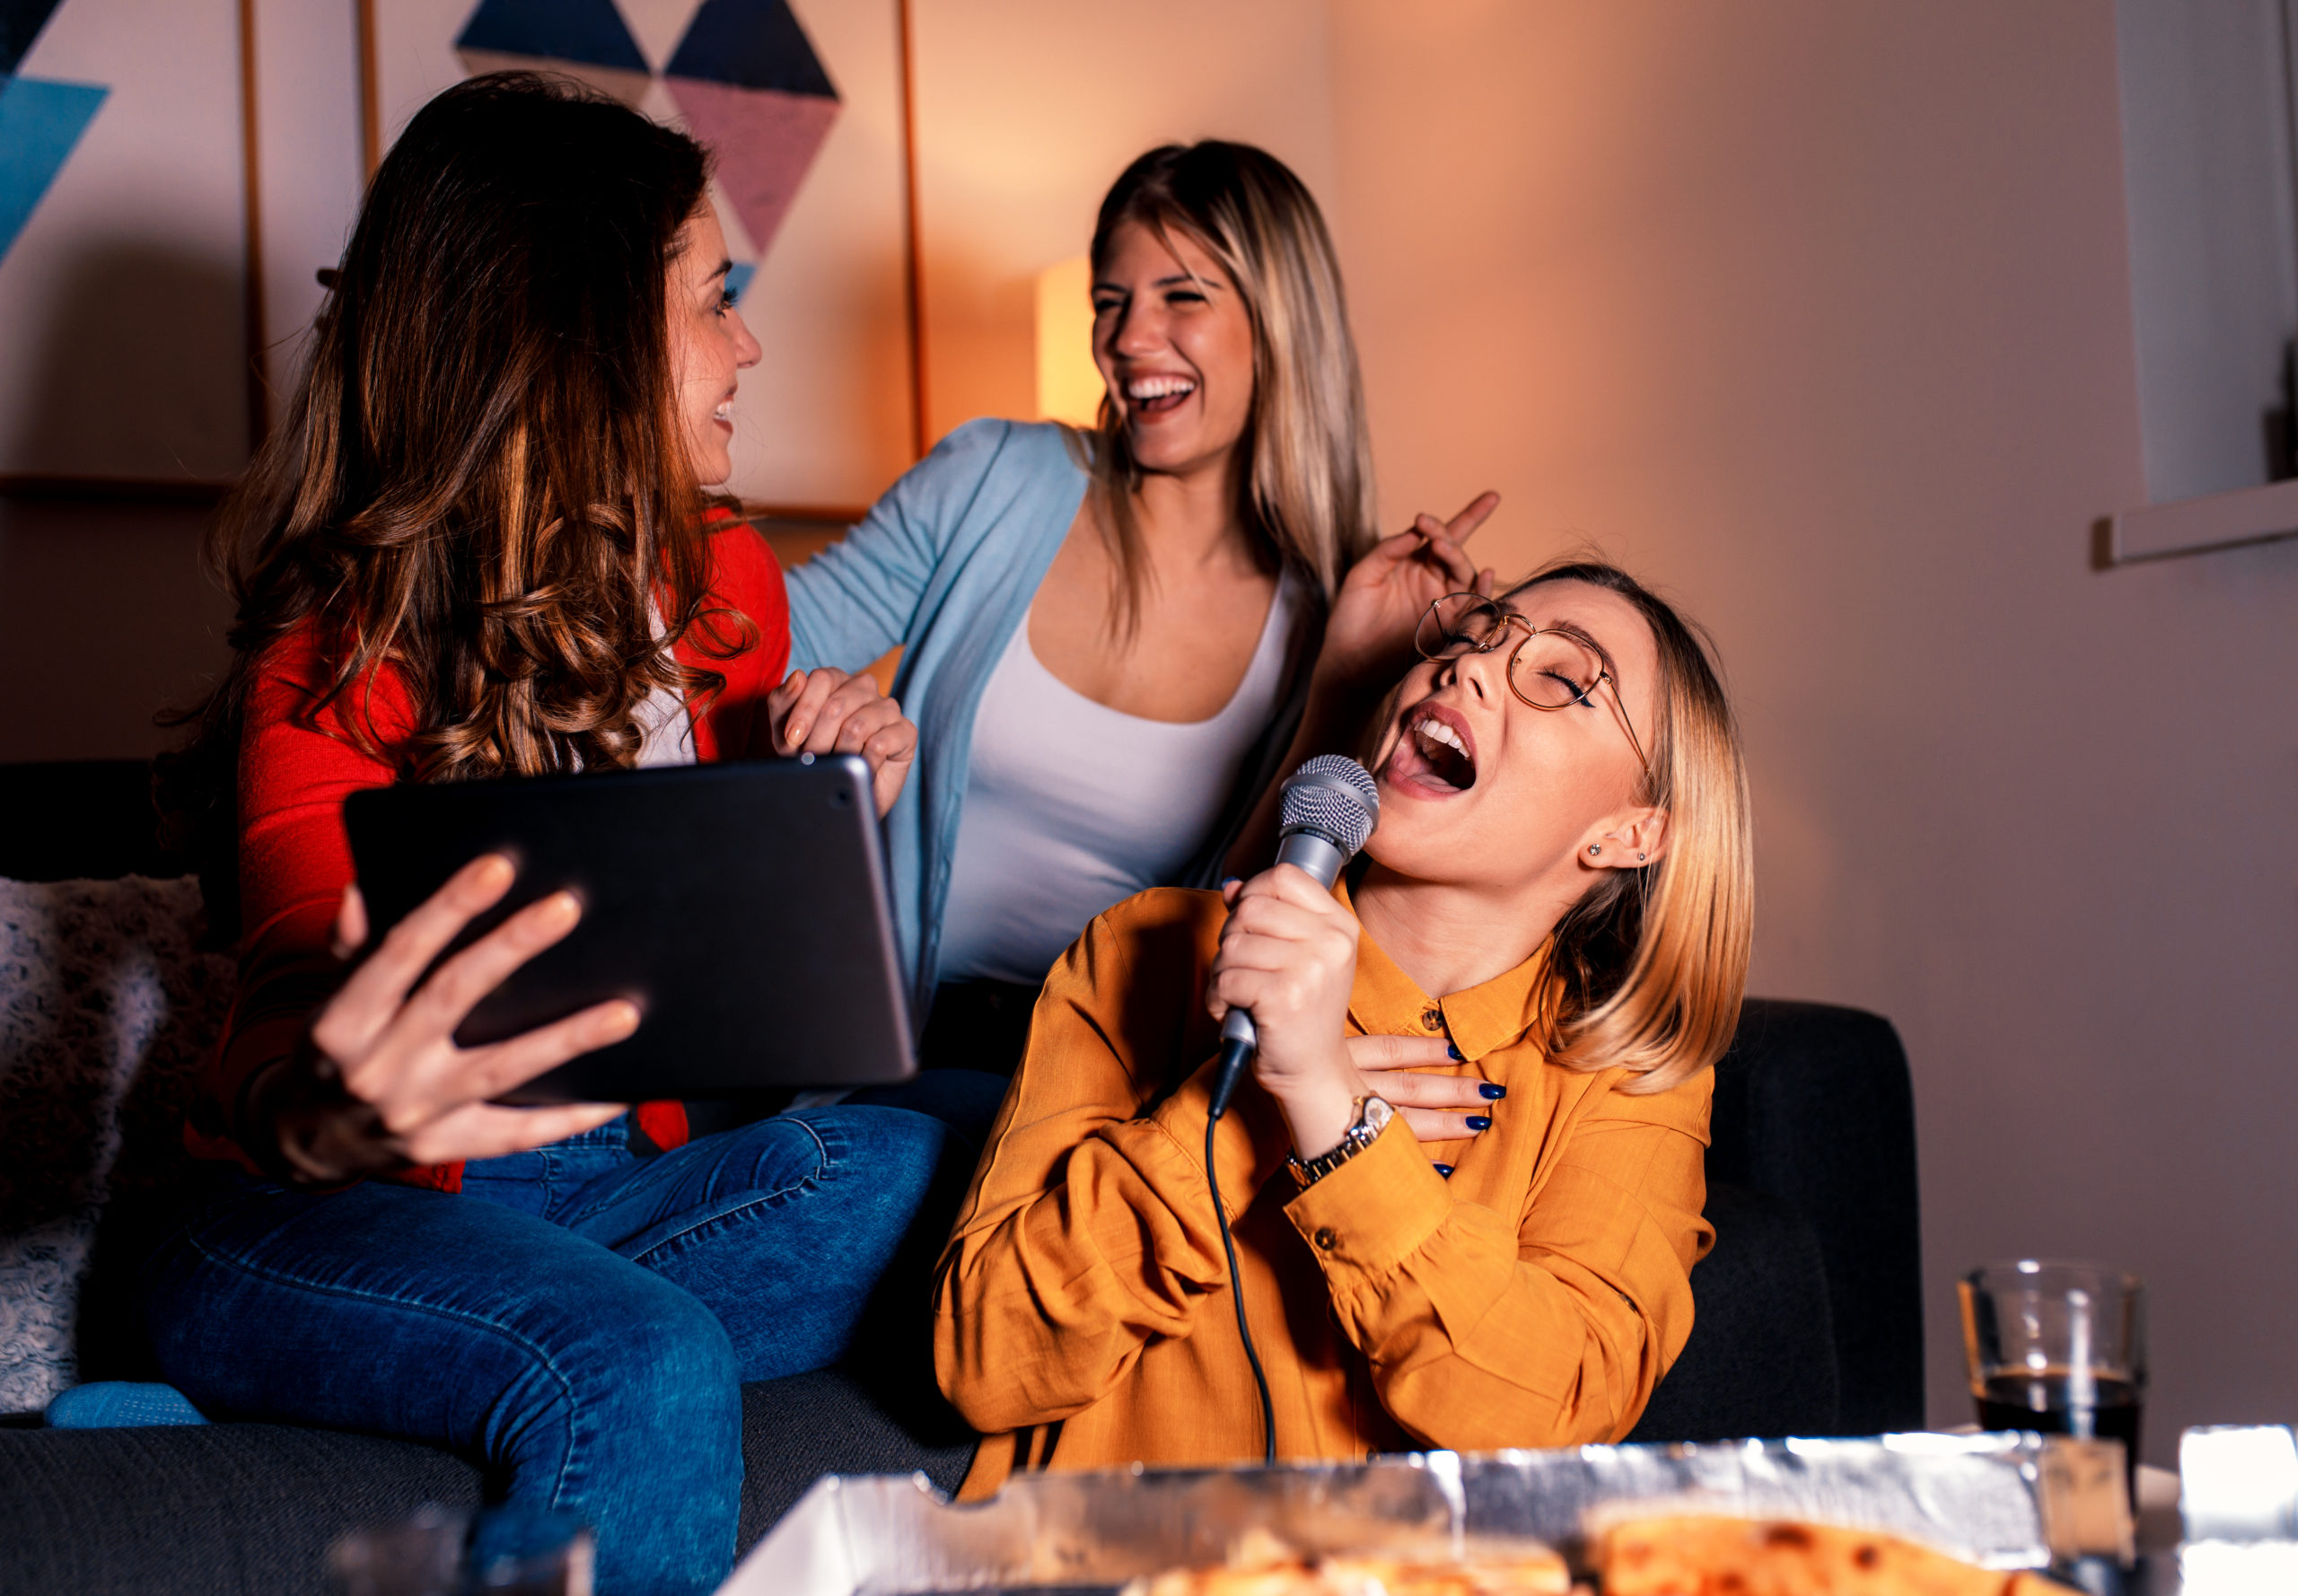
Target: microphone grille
1334	796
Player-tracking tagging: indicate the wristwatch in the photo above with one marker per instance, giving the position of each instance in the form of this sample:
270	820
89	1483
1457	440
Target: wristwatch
1372	1117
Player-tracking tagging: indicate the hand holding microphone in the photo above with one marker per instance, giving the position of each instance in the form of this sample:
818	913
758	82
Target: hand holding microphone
1328	809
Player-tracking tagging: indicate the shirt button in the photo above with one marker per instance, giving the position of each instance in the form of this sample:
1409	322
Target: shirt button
1433	1017
1326	1240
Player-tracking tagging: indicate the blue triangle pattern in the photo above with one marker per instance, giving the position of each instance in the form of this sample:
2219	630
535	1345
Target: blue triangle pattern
41	122
587	32
751	44
21	21
738	277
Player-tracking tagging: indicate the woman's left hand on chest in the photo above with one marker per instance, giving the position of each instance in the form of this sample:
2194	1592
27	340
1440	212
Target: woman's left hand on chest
1442	1109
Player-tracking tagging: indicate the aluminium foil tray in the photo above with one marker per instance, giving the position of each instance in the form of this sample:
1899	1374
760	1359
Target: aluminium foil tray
2006	1501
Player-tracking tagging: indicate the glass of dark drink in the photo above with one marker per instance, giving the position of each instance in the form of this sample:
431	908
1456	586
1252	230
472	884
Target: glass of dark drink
2059	1348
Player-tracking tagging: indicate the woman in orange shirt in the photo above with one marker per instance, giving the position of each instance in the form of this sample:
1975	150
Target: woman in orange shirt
1465	1177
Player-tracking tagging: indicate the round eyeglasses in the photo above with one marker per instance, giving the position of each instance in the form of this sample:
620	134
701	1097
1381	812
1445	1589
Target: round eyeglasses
1553	668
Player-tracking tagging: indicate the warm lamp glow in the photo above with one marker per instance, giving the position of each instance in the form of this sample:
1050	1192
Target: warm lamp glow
1069	384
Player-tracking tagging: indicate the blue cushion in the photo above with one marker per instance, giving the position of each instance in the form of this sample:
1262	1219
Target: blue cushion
121	1405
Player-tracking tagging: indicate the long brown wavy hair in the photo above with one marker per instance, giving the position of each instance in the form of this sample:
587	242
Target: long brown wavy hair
482	484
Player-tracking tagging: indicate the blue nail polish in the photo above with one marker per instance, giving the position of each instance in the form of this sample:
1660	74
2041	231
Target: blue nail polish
1479	1122
1454	1054
1445	1170
1492	1089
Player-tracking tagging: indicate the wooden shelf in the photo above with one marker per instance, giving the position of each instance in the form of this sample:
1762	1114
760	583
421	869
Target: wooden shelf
2199	526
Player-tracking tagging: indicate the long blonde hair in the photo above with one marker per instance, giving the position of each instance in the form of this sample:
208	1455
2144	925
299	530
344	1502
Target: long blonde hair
1306	491
1650	966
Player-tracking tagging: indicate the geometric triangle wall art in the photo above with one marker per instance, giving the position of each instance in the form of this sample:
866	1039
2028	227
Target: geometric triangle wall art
583	38
750	86
21	21
40	122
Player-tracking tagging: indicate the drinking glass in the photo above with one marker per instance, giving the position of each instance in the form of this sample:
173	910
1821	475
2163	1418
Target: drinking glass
2059	1348
512	1549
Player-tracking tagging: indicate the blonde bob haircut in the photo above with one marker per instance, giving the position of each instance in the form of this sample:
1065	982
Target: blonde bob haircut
1649	967
1306	489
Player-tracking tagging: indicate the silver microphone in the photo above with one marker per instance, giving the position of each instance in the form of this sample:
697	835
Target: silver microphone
1326	811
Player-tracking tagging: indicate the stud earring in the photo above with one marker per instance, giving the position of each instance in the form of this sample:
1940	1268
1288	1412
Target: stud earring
1593	850
1639	858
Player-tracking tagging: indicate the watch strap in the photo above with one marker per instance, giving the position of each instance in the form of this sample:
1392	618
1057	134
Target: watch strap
1363	1131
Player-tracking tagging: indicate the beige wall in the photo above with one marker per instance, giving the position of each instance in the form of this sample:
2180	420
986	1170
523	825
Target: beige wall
1817	313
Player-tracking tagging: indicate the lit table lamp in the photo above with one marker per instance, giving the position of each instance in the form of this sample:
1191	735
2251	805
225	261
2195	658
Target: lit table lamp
1069	384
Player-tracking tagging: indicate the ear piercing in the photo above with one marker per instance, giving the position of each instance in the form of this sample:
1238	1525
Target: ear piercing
1639	858
1593	850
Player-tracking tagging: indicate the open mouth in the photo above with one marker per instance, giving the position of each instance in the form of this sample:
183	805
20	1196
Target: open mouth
1155	396
724	414
1435	751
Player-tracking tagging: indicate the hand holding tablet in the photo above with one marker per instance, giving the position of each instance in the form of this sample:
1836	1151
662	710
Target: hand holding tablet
740	908
380	1082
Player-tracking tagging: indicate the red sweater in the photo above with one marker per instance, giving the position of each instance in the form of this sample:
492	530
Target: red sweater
297	766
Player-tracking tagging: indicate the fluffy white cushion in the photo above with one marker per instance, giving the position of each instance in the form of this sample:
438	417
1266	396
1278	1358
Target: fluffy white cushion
108	1005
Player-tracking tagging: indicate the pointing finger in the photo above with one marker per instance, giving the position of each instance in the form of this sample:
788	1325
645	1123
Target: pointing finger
1473	515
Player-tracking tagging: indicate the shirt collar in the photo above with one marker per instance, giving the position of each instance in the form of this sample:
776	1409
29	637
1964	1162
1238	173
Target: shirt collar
1478	1020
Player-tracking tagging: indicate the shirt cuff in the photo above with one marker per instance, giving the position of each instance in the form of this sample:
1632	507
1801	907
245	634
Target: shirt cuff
1375	1210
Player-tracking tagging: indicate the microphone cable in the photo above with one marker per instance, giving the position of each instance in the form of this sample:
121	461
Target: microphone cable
1326	811
1235	1055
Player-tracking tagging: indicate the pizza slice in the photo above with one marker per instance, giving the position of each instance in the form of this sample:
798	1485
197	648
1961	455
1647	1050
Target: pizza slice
1710	1554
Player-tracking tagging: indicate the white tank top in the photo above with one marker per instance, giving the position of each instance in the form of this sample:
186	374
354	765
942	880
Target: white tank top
1072	806
665	730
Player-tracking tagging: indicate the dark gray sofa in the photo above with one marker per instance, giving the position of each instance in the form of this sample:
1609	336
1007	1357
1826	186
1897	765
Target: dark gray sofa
1809	1323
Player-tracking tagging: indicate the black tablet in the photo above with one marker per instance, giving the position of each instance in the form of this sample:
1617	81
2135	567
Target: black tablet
742	906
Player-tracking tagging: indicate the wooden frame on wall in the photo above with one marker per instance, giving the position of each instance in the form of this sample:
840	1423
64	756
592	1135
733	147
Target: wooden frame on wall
172	129
408	51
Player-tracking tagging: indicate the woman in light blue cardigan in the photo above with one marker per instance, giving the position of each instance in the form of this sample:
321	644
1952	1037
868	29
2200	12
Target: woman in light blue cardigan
1113	642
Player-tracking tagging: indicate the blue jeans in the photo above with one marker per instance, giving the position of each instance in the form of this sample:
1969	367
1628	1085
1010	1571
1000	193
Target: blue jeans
579	1320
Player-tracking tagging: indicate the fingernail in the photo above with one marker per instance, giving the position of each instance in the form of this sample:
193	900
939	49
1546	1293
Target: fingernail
620	1023
1445	1170
1479	1122
494	871
1492	1089
563	908
1454	1053
798	729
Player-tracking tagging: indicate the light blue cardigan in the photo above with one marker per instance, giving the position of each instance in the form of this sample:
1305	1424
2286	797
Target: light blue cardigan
945	567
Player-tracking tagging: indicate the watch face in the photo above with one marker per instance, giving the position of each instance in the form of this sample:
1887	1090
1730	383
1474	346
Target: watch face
1377	1113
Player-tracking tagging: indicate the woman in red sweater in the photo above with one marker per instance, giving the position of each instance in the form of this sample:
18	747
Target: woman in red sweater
480	548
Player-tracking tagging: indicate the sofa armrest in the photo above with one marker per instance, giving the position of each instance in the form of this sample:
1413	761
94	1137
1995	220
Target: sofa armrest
1761	1360
1814	1108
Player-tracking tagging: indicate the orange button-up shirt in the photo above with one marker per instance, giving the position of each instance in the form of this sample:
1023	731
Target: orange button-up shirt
1082	1316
